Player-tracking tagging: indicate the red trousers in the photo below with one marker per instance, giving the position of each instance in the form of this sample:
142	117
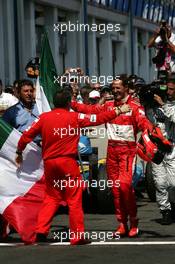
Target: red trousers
120	167
62	183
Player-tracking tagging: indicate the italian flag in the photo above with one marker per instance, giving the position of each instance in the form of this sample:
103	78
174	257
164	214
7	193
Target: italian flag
21	190
46	85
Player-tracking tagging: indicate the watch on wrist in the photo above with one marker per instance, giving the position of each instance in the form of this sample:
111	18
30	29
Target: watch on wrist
19	152
119	109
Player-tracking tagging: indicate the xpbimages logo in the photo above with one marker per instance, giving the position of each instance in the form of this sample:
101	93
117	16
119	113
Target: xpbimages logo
70	78
102	28
72	183
100	132
93	235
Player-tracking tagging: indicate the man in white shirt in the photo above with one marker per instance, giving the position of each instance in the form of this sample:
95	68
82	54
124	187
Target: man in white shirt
6	100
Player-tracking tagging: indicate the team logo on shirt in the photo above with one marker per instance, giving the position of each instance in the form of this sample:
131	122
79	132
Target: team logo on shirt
81	116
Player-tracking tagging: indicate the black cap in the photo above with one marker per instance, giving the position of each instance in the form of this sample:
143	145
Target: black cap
139	81
105	88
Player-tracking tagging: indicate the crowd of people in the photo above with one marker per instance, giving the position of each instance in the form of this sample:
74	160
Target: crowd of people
95	103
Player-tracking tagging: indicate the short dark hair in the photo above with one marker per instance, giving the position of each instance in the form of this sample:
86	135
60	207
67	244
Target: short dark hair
1	82
22	83
85	90
171	78
16	83
66	87
122	77
62	98
9	89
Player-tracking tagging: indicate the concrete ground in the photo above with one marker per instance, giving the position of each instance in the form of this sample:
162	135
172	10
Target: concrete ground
155	244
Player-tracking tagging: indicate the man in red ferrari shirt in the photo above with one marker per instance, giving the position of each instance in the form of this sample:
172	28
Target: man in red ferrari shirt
121	151
60	131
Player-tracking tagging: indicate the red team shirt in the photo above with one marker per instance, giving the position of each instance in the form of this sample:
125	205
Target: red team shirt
60	131
124	128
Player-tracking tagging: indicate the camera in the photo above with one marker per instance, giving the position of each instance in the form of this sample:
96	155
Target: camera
73	70
32	68
159	87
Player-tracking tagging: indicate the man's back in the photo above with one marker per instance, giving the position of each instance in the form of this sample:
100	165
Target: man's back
60	131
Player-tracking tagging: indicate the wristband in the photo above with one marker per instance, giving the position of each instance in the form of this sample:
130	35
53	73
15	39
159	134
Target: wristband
19	152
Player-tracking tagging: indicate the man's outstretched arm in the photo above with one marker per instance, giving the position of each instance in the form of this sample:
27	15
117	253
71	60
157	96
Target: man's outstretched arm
26	138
